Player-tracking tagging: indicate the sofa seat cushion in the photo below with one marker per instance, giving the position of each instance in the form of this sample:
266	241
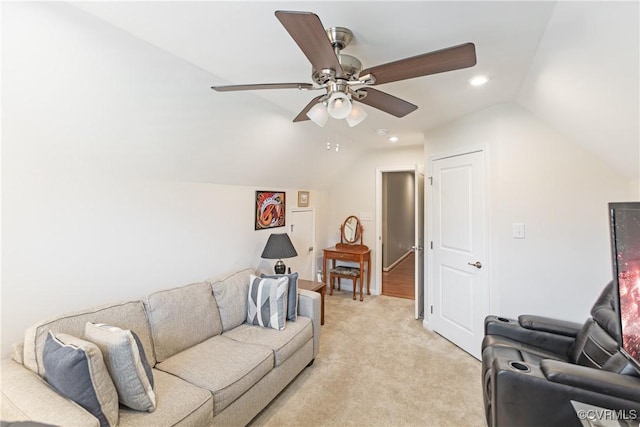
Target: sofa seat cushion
225	367
283	343
178	404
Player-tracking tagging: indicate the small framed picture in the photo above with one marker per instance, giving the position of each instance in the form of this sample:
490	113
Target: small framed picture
303	199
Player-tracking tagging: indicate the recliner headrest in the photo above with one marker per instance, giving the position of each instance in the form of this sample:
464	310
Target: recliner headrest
604	311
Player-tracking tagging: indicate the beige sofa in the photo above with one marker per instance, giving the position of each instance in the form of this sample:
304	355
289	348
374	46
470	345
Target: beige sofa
210	367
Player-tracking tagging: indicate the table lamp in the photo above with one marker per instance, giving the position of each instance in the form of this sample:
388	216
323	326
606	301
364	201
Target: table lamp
279	246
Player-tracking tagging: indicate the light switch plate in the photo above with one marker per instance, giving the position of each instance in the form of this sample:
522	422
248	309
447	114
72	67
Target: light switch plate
366	216
518	230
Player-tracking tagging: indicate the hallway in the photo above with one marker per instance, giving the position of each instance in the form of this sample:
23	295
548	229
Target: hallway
400	281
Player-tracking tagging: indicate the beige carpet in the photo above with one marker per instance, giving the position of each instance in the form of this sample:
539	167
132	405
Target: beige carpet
378	366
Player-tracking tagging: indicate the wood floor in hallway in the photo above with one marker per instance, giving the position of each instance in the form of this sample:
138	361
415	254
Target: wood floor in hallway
400	281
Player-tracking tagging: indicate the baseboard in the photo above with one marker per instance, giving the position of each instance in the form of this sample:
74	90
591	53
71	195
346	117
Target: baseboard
398	261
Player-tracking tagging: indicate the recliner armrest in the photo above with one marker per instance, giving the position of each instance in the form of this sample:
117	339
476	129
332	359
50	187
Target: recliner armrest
546	324
509	328
596	380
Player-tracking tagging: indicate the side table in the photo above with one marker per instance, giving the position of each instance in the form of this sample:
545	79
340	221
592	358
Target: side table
315	287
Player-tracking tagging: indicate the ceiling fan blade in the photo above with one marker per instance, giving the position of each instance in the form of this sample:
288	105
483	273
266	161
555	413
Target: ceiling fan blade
385	102
308	32
303	114
451	58
232	88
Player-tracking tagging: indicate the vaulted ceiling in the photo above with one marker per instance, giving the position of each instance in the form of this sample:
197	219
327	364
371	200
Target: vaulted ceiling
574	64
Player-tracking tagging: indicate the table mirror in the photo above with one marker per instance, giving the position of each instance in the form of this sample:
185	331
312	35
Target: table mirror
351	230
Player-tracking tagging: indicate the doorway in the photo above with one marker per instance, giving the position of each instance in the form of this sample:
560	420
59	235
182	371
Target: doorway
302	231
400	231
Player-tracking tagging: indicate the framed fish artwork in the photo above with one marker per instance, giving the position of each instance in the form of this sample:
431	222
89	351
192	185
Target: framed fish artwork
270	209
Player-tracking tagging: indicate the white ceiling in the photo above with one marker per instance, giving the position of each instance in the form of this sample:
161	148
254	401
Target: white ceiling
243	42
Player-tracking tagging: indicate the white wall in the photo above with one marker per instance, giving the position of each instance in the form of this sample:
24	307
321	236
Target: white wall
584	81
560	192
107	144
72	243
355	194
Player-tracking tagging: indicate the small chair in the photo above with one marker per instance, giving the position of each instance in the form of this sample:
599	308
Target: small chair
342	272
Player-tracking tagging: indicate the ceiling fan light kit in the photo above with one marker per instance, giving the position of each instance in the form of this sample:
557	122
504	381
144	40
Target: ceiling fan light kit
339	105
356	116
318	114
342	77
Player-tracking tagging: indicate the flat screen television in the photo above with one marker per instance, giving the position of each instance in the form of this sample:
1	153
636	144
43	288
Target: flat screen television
625	245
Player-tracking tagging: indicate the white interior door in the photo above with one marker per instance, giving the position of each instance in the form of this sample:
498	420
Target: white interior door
418	247
459	280
301	230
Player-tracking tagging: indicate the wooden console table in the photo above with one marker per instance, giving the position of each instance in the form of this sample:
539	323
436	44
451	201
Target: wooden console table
352	253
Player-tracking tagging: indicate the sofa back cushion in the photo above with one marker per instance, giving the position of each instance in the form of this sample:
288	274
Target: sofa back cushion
181	318
127	315
231	293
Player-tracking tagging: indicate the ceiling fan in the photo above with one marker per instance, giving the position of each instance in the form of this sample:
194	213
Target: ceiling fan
342	76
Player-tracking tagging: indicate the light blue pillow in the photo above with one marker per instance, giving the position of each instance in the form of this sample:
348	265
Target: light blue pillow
292	299
267	302
126	362
76	369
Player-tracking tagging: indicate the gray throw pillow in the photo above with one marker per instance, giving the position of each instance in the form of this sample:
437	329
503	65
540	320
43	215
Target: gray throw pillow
127	364
267	302
76	369
292	300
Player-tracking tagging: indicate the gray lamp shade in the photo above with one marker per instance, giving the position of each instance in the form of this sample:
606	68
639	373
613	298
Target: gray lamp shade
279	246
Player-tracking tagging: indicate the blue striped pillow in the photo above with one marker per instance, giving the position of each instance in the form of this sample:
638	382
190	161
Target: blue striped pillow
267	302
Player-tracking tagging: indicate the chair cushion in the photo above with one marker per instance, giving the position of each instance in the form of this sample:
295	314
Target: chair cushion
345	271
282	343
225	367
593	346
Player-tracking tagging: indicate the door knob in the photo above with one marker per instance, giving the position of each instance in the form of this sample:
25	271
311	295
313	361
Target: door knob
476	264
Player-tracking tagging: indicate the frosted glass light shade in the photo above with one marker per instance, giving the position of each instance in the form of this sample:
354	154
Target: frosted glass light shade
318	114
356	116
339	105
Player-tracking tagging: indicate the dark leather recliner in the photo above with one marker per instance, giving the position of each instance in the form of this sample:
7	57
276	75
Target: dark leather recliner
533	368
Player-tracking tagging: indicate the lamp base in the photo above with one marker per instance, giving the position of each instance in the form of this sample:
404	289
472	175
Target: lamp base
280	268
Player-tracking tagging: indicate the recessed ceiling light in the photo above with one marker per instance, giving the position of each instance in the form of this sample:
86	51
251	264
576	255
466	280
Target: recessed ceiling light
381	132
393	139
478	80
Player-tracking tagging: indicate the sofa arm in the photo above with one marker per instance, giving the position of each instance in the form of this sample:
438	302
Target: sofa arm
596	380
309	306
27	397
